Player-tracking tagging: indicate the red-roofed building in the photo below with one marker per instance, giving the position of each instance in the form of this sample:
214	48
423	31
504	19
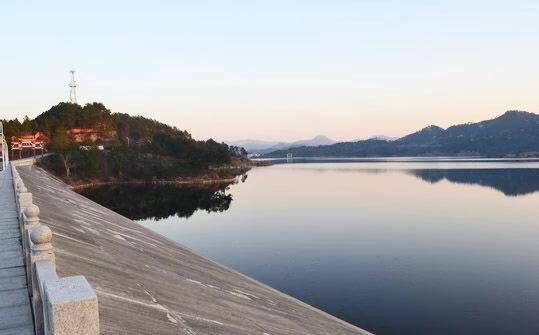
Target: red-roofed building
29	142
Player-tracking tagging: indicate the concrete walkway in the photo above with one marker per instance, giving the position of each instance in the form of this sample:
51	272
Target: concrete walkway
15	310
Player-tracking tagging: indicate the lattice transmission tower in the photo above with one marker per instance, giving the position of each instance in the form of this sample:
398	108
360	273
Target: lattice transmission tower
73	88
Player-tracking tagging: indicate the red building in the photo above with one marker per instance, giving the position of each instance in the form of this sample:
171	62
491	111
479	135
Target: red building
83	134
31	143
80	135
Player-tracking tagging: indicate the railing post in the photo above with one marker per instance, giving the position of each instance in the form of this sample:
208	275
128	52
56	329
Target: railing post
42	251
71	307
41	237
24	200
19	188
30	221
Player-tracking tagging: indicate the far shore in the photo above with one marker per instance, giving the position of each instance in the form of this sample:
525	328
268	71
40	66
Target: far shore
272	160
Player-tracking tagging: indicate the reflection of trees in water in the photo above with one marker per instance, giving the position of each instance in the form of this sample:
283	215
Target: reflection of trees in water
510	182
139	202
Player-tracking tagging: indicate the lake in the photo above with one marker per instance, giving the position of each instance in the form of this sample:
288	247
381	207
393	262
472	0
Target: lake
395	247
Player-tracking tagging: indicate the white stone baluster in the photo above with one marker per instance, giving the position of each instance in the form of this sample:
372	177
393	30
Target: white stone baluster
42	257
30	220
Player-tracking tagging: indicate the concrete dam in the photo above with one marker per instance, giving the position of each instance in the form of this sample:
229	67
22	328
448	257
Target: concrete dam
144	283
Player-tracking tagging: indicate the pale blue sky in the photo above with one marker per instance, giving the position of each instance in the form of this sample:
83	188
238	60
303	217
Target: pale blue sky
275	69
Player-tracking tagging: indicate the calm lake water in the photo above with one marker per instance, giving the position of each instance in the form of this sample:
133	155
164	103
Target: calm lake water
393	247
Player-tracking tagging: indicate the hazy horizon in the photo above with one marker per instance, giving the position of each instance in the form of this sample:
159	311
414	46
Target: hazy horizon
276	71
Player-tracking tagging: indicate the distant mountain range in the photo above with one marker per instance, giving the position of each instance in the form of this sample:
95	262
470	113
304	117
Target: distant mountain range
264	147
513	134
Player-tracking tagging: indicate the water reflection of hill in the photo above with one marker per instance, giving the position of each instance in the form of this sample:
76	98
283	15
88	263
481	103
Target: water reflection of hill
511	182
139	202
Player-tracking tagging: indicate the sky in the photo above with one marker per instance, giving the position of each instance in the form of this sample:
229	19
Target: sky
275	70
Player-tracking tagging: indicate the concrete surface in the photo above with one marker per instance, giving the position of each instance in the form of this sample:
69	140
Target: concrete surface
147	284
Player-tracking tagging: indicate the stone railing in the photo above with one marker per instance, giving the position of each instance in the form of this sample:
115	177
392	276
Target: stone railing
61	306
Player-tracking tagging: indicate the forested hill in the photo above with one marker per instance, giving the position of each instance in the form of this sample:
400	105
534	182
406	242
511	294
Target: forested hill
113	146
513	134
59	118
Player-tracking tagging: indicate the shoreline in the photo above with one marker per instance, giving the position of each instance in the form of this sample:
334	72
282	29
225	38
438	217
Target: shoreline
216	175
272	160
199	182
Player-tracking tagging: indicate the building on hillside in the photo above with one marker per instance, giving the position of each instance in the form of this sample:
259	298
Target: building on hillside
83	134
80	135
29	144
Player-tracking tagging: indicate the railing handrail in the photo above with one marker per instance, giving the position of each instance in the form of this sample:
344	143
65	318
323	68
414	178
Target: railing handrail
61	306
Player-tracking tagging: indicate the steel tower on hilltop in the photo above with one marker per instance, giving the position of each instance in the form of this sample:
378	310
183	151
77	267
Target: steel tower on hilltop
73	90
